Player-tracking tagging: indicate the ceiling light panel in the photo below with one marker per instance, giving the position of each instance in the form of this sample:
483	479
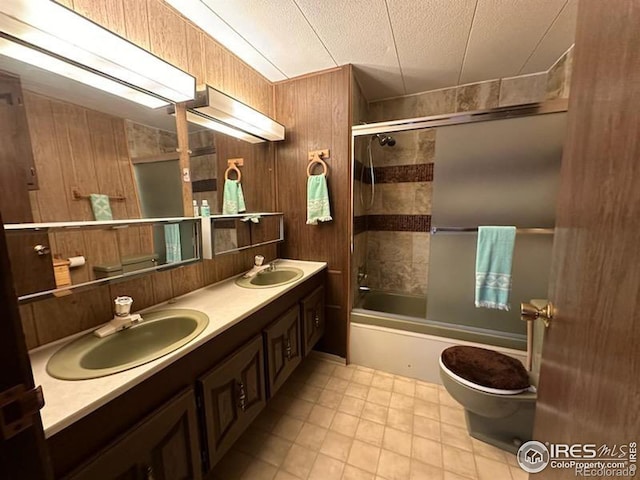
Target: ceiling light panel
279	31
431	38
56	29
359	33
503	36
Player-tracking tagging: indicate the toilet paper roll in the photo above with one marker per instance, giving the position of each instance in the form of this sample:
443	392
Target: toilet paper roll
78	261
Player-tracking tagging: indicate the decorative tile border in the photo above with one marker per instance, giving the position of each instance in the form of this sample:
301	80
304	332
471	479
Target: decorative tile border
392	223
421	172
206	185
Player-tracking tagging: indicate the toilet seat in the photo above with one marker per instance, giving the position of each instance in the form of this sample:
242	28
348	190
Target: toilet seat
489	365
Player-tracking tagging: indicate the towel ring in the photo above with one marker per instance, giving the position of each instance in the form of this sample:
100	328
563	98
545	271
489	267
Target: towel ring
317	160
232	167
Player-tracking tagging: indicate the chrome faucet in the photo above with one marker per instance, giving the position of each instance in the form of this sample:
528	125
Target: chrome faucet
122	319
259	268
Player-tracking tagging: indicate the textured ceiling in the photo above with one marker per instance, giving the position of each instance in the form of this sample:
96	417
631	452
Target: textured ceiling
398	46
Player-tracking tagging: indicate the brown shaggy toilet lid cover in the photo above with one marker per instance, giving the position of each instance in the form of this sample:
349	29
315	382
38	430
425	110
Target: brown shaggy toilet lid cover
486	367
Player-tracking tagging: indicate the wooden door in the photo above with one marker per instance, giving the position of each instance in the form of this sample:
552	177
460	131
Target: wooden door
233	394
163	446
33	272
589	385
312	319
23	455
283	348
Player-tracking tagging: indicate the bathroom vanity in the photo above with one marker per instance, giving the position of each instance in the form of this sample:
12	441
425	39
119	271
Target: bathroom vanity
176	416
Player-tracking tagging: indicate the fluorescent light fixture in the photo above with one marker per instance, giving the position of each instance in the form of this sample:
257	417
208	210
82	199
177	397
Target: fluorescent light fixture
53	30
221	107
212	124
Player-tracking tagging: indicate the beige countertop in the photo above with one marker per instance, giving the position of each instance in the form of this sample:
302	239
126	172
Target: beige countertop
226	304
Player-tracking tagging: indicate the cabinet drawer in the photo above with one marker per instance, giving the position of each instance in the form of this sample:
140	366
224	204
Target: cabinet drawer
165	445
233	394
284	354
313	319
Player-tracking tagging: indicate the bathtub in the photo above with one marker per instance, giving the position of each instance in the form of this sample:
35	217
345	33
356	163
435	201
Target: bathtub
390	332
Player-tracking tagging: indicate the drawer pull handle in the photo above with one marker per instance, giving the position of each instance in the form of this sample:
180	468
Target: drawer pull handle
148	474
317	320
242	397
288	350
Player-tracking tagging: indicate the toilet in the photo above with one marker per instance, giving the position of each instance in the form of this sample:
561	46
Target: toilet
496	391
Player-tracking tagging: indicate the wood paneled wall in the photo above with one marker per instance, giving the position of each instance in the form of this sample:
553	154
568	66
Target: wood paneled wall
316	111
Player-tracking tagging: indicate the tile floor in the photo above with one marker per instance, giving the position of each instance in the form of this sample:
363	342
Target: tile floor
331	421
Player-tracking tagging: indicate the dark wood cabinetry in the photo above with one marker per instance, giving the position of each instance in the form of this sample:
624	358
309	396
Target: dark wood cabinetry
32	269
233	394
313	319
164	446
282	340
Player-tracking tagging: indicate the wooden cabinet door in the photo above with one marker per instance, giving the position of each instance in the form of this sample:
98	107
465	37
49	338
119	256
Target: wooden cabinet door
163	447
32	271
283	348
313	319
233	394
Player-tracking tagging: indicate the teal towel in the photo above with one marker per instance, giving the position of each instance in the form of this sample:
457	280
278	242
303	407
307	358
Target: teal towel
318	209
101	207
232	198
172	244
493	266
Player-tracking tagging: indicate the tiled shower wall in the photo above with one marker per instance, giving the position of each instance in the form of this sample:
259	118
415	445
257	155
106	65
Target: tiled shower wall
392	237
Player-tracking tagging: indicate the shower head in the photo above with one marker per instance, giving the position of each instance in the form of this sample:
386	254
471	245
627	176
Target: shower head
384	140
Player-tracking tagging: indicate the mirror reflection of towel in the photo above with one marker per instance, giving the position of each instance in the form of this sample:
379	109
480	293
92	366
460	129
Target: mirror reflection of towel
172	243
101	207
232	198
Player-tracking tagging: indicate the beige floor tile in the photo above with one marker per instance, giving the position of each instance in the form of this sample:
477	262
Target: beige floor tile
344	424
288	427
405	387
427	409
308	393
370	432
452	416
321	366
491	469
375	413
281	402
426	451
251	441
393	466
382	382
446	399
489	451
518	474
231	466
357	390
454	476
299	461
318	380
362	368
344	372
511	459
273	450
282	475
336	445
401	402
330	398
428	393
423	471
364	456
397	441
460	462
354	473
363	377
380	397
426	427
267	419
326	468
337	384
400	420
456	437
259	470
321	416
311	436
351	405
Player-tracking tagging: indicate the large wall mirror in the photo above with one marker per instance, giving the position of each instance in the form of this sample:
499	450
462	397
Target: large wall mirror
70	152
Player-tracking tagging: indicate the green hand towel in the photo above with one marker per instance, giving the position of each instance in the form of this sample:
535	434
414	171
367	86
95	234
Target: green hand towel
494	258
101	207
172	244
232	198
318	209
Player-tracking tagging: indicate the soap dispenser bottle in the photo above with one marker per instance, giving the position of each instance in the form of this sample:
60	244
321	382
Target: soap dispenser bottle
196	210
205	211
